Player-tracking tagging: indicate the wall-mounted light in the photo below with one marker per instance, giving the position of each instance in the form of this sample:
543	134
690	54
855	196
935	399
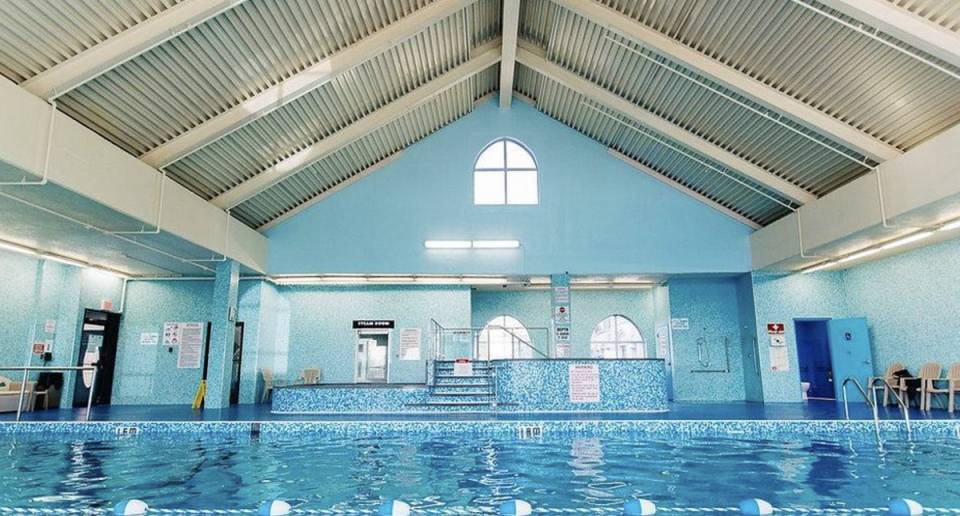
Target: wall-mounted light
447	244
17	248
471	244
949	226
909	239
859	254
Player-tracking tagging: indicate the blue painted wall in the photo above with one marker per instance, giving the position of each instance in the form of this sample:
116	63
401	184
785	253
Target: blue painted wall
596	214
711	306
587	308
912	304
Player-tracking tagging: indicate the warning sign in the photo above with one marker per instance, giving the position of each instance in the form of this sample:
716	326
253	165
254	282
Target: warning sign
584	381
775	328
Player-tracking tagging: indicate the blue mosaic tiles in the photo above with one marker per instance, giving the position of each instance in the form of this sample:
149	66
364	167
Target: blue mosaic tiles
356	399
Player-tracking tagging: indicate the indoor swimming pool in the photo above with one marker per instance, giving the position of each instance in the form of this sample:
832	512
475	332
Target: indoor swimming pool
444	474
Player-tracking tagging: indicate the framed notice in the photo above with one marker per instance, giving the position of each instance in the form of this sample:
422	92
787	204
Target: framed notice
171	334
191	344
410	340
149	339
779	359
584	381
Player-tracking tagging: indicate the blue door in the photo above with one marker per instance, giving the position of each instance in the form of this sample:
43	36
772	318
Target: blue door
813	355
850	353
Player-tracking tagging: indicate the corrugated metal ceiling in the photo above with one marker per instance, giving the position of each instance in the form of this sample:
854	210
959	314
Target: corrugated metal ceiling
219	64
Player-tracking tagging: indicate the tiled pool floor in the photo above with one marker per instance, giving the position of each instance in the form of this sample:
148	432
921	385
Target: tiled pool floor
811	410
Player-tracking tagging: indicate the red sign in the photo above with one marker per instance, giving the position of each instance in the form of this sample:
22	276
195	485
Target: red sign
39	348
775	328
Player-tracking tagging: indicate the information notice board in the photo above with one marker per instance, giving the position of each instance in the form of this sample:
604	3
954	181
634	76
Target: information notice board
191	345
584	381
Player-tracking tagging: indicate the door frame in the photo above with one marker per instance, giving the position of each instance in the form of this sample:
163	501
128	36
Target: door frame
360	333
238	331
104	378
825	321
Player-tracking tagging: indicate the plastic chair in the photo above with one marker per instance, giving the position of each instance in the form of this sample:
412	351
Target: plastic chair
310	376
952	382
268	382
928	373
890	382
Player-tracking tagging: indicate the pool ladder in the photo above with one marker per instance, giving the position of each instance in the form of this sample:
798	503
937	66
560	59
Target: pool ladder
871	400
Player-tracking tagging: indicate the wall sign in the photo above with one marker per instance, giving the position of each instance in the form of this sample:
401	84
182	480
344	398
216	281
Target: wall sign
779	359
663	336
149	339
50	326
171	334
372	324
775	328
463	367
584	382
191	343
39	348
560	313
410	339
680	324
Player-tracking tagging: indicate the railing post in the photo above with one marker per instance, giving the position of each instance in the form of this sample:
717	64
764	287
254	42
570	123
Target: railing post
93	386
23	390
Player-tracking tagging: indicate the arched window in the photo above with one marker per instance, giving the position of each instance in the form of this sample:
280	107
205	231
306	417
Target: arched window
505	173
504	337
617	337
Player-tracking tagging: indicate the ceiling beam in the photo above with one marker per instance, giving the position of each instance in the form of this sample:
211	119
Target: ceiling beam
301	83
751	88
529	56
511	25
126	45
683	188
487	55
914	30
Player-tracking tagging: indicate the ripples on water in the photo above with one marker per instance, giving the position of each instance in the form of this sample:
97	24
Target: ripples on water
448	471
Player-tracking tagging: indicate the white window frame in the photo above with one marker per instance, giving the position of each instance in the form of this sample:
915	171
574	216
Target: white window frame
506	172
641	344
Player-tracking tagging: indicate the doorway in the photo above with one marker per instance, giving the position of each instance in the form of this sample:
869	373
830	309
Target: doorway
98	347
372	356
235	369
813	355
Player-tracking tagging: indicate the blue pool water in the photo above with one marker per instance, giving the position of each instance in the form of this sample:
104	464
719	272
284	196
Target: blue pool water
318	472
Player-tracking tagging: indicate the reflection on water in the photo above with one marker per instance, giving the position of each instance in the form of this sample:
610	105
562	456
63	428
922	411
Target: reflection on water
566	472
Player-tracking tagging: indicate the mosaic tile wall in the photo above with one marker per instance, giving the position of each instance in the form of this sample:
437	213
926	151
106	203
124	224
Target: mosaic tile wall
348	399
588	307
711	309
543	386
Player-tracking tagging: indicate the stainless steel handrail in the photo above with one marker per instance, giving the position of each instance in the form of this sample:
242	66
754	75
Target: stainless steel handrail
896	395
866	399
27	369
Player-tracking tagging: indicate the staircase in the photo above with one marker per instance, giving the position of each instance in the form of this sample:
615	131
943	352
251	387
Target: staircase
447	392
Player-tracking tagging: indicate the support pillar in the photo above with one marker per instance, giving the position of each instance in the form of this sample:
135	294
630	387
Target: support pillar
223	322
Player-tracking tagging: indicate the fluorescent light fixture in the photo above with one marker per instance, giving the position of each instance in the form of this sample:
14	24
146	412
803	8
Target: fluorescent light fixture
819	267
437	280
390	279
950	226
64	260
539	280
447	244
10	246
909	239
858	255
496	244
485	280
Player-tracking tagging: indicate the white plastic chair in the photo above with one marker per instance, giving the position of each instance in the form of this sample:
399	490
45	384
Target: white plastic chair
890	382
950	386
310	376
928	373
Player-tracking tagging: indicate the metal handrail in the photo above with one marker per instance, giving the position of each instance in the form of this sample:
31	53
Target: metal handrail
866	399
519	339
896	395
27	369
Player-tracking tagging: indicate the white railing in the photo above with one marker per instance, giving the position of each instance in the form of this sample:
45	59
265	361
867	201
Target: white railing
27	369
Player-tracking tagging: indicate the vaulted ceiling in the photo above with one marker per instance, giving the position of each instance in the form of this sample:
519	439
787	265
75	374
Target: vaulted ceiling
264	106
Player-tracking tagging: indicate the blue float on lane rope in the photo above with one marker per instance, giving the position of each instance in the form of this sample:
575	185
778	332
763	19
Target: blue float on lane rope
274	508
515	508
905	507
130	508
756	507
394	508
639	507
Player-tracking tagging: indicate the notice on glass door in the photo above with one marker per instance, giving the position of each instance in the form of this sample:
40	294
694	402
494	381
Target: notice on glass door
779	359
191	344
584	383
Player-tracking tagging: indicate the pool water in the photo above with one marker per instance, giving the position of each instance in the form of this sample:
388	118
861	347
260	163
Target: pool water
313	471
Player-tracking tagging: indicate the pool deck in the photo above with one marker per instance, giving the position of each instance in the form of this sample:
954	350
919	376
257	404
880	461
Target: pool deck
813	410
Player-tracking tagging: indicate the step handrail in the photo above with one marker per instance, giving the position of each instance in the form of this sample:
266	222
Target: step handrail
866	399
27	369
904	408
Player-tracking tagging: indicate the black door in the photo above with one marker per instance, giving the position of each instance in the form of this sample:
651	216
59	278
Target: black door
235	371
98	347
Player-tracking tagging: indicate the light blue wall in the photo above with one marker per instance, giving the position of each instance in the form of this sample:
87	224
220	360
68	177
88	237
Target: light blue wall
149	374
320	328
587	308
710	305
596	214
33	291
912	304
781	299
